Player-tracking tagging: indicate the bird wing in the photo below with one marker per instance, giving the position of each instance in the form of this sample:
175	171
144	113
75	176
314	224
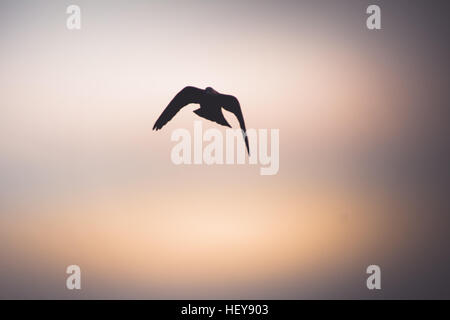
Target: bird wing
231	104
184	97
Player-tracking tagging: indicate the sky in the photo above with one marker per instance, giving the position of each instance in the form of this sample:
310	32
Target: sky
363	174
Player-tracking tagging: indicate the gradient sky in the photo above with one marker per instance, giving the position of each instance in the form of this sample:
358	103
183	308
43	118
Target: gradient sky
363	150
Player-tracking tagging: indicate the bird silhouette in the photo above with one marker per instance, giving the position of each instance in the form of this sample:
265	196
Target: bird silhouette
210	102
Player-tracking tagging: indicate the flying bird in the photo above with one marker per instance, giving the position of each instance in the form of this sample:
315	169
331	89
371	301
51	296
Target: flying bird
211	104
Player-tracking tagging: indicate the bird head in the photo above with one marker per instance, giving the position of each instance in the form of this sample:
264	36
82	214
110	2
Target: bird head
211	90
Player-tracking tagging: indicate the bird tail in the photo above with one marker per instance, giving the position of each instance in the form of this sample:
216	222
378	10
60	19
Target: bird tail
215	117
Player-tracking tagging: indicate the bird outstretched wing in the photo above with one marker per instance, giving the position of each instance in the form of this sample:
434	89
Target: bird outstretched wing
184	97
231	104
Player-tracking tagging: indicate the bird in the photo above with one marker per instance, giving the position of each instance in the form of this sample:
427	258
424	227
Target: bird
211	104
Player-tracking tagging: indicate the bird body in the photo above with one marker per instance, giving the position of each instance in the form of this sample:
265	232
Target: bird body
211	104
